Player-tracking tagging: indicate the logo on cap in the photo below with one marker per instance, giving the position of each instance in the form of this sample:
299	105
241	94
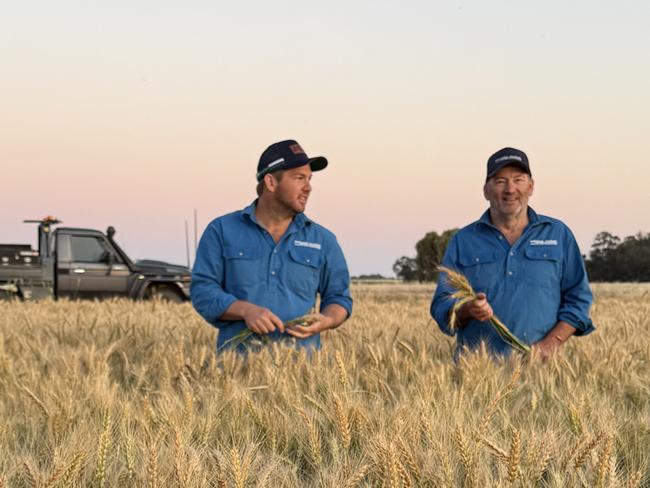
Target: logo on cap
296	149
508	158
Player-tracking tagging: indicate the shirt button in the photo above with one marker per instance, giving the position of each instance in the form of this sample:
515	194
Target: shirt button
500	237
310	261
241	253
273	273
544	255
275	251
509	273
512	253
477	260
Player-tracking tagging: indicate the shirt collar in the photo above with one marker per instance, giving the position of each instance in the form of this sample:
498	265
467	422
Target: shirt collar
533	218
299	220
249	211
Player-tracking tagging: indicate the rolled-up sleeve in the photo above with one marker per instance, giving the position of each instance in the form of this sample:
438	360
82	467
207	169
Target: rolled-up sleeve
334	285
576	296
442	299
206	290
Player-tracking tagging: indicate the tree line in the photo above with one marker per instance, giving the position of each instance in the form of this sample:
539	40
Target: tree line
615	259
610	258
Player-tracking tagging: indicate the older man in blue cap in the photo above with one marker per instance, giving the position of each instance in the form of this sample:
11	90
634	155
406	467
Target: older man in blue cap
260	267
526	268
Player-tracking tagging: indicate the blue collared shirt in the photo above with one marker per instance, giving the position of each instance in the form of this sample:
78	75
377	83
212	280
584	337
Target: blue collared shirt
237	259
531	285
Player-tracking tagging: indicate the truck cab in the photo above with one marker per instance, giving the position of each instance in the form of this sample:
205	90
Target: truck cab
80	263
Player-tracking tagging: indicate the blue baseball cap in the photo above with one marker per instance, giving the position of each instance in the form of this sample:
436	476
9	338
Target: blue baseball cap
286	155
508	156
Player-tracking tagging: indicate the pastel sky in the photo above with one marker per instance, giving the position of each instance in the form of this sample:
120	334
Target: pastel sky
133	114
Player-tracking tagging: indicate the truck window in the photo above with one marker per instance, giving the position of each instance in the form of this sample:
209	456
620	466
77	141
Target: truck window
87	249
63	252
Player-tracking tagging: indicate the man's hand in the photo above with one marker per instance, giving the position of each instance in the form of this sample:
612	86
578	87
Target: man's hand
321	323
258	319
547	347
333	315
261	320
478	309
557	336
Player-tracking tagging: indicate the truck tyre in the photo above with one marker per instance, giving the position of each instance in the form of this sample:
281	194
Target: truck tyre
164	293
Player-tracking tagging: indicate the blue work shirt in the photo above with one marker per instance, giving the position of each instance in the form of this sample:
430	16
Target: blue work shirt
531	285
237	259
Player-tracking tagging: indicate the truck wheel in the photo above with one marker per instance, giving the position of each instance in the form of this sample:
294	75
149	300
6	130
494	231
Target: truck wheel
164	293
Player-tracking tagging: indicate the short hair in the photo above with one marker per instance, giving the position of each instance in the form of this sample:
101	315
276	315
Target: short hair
261	186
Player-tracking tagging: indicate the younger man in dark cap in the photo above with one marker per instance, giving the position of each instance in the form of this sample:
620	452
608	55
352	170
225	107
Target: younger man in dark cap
526	268
262	266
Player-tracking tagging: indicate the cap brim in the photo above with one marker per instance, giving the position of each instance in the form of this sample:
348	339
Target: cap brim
521	166
318	163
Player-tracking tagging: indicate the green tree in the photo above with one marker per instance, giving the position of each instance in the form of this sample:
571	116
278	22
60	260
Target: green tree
603	244
430	251
611	259
405	269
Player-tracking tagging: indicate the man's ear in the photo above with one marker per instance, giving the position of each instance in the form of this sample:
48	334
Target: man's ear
270	182
532	186
485	195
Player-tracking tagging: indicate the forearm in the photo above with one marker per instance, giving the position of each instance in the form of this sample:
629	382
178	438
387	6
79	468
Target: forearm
238	310
336	313
559	334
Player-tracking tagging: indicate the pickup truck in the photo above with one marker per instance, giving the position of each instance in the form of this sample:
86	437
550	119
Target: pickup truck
84	263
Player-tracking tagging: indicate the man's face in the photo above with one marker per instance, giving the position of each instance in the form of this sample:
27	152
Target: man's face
293	189
508	191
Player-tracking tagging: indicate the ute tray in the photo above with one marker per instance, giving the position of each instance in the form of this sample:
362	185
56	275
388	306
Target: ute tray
18	255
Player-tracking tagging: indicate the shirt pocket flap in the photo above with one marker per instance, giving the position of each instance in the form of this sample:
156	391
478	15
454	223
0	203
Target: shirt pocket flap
543	253
241	252
306	256
476	258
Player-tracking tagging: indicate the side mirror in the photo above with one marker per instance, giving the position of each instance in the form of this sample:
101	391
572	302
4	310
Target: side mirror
108	258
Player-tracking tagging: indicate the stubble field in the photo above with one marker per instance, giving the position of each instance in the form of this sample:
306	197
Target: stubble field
131	394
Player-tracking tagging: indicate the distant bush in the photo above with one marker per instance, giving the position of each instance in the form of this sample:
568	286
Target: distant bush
613	259
429	253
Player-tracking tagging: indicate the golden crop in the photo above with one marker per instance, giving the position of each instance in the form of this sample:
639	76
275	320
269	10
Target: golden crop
131	394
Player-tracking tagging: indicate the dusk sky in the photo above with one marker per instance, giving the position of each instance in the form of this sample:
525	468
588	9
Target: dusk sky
133	114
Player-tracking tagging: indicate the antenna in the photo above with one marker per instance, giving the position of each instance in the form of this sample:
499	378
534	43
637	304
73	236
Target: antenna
195	234
187	244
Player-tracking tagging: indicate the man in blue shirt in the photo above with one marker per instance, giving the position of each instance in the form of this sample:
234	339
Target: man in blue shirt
263	266
526	268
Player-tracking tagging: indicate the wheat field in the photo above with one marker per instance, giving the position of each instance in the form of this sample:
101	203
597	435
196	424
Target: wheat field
131	394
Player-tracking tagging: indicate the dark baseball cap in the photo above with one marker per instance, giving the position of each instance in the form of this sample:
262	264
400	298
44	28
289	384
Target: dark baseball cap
286	155
508	156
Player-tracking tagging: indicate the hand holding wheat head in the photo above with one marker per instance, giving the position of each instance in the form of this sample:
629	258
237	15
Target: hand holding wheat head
246	334
465	293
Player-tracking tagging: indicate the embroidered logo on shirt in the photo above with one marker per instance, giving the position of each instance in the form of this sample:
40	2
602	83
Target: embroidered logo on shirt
311	245
547	242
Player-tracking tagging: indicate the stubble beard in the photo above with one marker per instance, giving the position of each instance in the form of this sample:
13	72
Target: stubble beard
505	211
290	207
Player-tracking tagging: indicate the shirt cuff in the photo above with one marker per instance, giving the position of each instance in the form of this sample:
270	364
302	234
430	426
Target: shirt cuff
220	305
583	327
441	316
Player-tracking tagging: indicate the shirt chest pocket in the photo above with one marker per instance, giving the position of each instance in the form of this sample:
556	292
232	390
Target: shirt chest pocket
243	266
480	268
303	271
542	266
